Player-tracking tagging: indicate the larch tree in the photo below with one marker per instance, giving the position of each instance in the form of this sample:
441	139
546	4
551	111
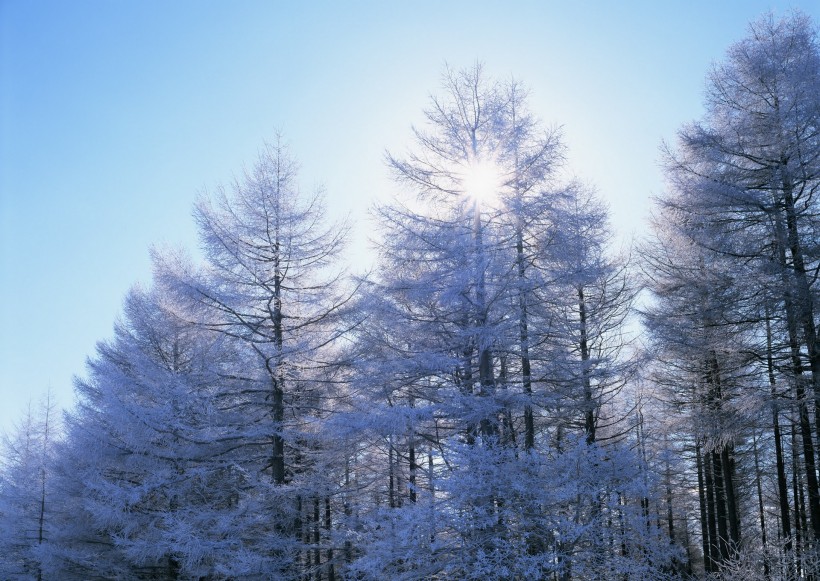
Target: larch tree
145	480
273	283
742	193
463	352
592	294
25	491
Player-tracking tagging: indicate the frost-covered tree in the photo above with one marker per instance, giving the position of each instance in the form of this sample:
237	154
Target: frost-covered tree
733	268
146	483
273	278
703	370
25	499
196	449
493	311
273	285
587	348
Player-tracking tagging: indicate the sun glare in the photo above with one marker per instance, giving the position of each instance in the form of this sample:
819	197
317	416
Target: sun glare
482	181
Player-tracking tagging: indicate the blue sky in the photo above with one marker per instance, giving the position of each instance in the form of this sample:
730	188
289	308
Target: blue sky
115	114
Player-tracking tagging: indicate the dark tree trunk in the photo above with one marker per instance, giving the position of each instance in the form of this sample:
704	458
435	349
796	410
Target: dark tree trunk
782	485
413	468
589	403
732	513
803	295
720	505
331	570
670	520
797	494
800	392
276	371
317	538
524	343
714	543
705	514
391	475
760	510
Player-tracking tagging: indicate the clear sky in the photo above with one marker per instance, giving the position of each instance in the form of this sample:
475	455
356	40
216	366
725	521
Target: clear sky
115	114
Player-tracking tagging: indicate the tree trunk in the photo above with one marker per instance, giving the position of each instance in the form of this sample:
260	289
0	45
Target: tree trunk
732	512
714	543
800	392
799	506
720	505
803	296
670	520
277	376
278	460
317	538
391	474
331	570
413	467
705	520
761	512
524	342
782	485
486	379
589	403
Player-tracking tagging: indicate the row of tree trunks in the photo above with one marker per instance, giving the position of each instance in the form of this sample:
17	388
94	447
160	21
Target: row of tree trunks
720	518
316	528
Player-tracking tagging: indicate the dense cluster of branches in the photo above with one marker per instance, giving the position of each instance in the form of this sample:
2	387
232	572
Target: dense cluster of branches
732	268
477	407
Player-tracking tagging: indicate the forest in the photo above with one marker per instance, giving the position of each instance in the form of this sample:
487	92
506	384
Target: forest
507	394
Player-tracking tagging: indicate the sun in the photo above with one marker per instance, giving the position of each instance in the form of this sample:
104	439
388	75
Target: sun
482	181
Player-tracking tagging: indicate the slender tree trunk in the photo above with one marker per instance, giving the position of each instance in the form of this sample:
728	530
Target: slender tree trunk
622	525
508	436
726	510
317	537
644	468
276	370
705	521
711	509
523	292
782	485
803	295
524	341
466	380
589	403
303	534
331	570
348	511
687	540
808	460
732	512
720	505
278	460
486	379
761	512
391	474
797	494
800	392
670	520
431	482
413	467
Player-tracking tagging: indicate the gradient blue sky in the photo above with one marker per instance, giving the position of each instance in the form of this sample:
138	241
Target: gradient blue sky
115	114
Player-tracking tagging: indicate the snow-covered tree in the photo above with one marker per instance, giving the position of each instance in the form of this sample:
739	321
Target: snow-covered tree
273	285
25	499
732	269
494	307
146	483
